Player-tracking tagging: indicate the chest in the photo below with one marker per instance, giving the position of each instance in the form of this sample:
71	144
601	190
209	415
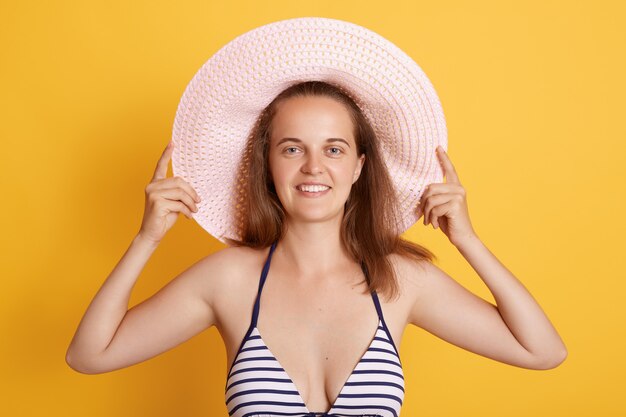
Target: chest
318	335
318	341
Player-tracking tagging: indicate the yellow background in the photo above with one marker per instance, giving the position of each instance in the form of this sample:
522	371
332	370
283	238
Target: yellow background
533	94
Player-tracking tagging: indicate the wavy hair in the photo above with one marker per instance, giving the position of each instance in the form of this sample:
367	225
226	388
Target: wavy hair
369	227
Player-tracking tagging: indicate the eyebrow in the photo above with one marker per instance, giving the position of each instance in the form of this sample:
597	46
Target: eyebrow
330	140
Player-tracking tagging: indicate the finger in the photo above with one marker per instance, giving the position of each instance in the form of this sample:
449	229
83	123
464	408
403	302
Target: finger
436	188
161	169
419	211
446	164
425	206
423	203
178	194
435	201
173	183
182	208
175	206
187	187
438	212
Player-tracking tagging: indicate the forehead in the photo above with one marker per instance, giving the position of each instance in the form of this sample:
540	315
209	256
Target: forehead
312	118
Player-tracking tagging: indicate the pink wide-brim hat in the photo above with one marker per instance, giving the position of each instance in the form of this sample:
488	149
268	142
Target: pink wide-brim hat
222	102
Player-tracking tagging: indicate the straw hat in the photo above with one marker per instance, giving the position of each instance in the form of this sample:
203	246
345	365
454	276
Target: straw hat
222	102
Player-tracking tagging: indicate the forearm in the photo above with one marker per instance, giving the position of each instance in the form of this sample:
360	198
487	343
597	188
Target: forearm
519	310
110	304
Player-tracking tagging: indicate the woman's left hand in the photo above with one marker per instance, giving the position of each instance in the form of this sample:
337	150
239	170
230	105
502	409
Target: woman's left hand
445	205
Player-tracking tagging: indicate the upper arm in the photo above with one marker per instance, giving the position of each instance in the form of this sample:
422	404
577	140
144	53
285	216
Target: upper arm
174	314
449	311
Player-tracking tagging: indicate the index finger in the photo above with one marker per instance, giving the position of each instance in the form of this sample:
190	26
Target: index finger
161	169
448	168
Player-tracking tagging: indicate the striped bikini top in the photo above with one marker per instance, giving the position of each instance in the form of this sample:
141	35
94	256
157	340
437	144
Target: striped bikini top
258	386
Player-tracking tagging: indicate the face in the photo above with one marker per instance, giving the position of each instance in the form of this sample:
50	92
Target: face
312	142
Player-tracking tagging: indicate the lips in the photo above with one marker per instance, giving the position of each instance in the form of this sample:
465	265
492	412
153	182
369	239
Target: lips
312	194
312	183
325	187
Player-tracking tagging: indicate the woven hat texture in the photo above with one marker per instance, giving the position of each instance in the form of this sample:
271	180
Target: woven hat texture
222	102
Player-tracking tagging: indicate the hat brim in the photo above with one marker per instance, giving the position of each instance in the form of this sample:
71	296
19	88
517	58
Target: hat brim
222	102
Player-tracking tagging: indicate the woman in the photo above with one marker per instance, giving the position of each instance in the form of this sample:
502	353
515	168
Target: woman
322	212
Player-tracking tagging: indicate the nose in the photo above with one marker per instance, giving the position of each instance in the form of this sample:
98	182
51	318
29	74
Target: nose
312	164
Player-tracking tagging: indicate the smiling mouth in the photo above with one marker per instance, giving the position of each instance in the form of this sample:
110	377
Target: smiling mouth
312	188
317	191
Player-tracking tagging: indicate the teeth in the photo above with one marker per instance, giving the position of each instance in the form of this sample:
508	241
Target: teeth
313	188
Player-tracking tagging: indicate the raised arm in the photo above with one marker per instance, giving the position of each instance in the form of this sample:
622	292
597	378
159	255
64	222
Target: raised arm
109	335
515	330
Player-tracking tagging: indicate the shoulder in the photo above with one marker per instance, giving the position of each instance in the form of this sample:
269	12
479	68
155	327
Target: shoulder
228	270
427	290
430	292
411	275
233	259
409	270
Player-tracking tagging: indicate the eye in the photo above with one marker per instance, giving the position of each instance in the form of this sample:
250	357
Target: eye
291	147
339	149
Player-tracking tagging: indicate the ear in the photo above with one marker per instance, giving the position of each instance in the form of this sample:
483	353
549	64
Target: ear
359	167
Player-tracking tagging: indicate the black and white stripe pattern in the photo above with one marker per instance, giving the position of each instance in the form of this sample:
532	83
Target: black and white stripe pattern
258	386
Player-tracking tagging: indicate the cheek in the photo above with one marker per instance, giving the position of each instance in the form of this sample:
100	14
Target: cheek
278	171
345	173
272	168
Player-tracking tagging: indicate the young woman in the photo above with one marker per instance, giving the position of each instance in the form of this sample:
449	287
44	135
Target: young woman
296	296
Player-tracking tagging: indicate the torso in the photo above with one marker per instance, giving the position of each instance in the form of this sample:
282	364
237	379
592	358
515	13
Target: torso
331	324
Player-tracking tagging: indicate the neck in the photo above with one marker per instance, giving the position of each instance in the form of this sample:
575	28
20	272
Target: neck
313	250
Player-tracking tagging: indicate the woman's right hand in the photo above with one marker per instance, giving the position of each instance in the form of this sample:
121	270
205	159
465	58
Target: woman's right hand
165	198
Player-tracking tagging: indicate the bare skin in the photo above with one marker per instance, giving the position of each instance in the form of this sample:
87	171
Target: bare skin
317	333
313	290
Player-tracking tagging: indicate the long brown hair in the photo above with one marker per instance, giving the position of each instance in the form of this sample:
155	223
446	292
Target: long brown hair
369	227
